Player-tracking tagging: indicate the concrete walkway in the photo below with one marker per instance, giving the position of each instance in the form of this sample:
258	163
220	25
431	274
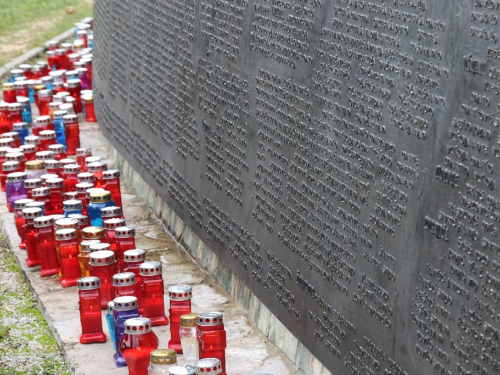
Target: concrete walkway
248	351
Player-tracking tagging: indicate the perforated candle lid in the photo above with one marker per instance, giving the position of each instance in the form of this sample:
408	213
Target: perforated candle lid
68	195
44	221
99	247
83	151
14	156
92	159
85	245
93	233
67	223
40	192
111	211
163	357
111	224
88	283
97	166
20	125
81	187
137	326
102	258
124	279
21	203
27	148
183	370
111	174
33	183
72	204
71	169
42	120
5	150
209	366
180	292
6	142
189	320
111	307
56	149
44	155
10	166
134	255
125	303
66	161
150	269
17	176
209	319
35	165
47	134
54	183
86	177
83	220
13	135
52	163
100	196
124	232
31	212
40	205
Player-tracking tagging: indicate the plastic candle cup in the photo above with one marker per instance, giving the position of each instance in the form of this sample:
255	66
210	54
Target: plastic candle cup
7	168
153	293
111	180
53	167
42	194
84	256
46	246
161	360
111	212
21	128
183	370
109	232
90	310
110	321
103	265
72	206
17	156
189	338
125	308
70	173
212	337
72	131
14	135
125	284
180	304
81	190
58	151
125	240
210	366
19	205
29	216
29	151
81	154
56	189
35	168
14	188
98	168
93	233
40	205
59	127
98	200
31	184
67	250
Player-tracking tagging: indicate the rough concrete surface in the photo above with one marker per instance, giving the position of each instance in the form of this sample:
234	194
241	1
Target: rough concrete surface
248	350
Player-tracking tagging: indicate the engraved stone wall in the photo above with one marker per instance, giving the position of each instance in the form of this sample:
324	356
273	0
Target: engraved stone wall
341	157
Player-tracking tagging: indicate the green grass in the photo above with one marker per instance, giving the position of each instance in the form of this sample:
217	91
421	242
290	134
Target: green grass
25	24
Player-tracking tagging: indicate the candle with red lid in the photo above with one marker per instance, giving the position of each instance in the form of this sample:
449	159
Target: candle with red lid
29	216
109	232
103	265
8	167
125	240
84	258
111	180
67	249
47	138
81	154
46	246
212	337
72	131
136	345
98	168
17	156
56	189
19	205
90	310
70	173
14	135
153	293
53	167
42	194
180	304
14	188
31	184
44	98
29	151
59	152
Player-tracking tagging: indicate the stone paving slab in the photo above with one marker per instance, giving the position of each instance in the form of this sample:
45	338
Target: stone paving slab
248	350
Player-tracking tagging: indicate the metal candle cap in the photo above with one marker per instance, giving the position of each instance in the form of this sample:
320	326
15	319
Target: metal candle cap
54	183
111	224
111	174
35	165
71	169
44	155
69	195
163	357
28	149
134	255
72	204
57	217
42	120
66	161
13	135
124	278
93	233
97	166
86	177
137	326
67	223
189	320
17	176
44	221
101	246
81	187
60	114
20	125
4	151
31	212
21	203
111	307
48	176
125	303
209	319
124	232
183	370
40	205
150	269
65	234
56	149
100	196
33	183
111	211
14	156
102	257
52	164
83	151
180	292
209	366
83	220
45	93
10	166
88	283
92	159
32	140
40	192
6	142
47	134
85	245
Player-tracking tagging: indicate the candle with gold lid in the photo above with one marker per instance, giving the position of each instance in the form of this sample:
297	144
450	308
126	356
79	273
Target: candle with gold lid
189	338
98	201
84	256
161	360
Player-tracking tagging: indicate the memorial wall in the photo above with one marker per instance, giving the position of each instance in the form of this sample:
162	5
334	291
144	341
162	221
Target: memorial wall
340	157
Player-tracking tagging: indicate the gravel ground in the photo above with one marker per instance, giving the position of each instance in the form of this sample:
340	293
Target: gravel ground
26	343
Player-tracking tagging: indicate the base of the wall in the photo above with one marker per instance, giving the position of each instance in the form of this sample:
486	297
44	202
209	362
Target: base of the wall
270	326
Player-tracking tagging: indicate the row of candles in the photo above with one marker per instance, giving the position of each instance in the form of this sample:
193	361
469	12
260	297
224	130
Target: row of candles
68	214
